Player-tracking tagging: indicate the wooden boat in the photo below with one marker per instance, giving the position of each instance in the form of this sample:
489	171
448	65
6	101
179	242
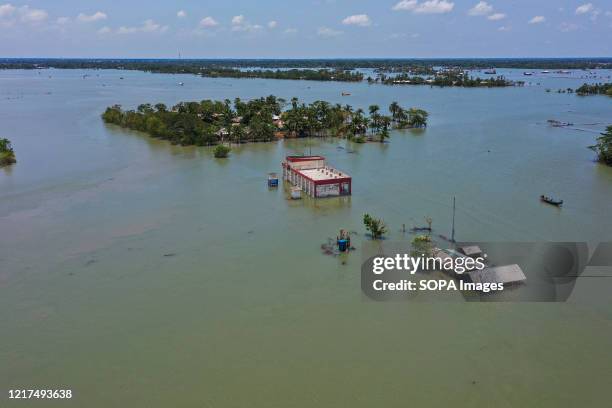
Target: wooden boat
551	201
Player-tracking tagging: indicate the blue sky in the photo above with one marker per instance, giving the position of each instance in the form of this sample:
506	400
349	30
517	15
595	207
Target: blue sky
305	29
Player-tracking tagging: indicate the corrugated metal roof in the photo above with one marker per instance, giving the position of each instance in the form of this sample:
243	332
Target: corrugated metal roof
498	274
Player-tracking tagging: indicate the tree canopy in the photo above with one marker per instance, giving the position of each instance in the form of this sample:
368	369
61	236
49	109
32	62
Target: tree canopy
7	155
211	122
604	146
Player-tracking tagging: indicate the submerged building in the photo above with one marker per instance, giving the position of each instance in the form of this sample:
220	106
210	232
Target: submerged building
313	176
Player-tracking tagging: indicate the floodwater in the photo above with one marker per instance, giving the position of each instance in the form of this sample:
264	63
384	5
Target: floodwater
141	274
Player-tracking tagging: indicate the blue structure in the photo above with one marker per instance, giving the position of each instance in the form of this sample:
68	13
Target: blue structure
272	180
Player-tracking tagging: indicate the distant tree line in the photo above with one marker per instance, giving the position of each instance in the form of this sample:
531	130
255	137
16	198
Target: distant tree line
302	74
444	79
383	64
260	120
7	155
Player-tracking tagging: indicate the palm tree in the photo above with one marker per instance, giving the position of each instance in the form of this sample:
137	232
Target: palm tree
373	109
394	108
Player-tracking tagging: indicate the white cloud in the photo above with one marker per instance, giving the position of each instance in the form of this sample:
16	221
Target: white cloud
405	5
584	9
181	14
426	7
481	9
30	15
435	7
237	20
358	19
148	26
97	16
537	20
239	23
291	31
328	32
208	22
272	24
503	28
7	10
496	16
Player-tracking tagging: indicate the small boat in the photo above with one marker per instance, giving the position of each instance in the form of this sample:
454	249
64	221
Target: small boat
346	94
545	72
491	71
527	73
181	83
551	201
557	123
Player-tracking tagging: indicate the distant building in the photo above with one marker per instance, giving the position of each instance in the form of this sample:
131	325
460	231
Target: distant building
315	177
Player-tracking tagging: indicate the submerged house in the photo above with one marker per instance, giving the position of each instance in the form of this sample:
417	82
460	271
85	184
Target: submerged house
313	176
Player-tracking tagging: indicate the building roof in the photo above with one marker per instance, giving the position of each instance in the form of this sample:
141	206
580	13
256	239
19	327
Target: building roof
498	274
304	158
471	250
324	173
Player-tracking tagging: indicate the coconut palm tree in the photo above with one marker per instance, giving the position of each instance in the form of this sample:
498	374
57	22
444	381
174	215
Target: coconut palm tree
394	108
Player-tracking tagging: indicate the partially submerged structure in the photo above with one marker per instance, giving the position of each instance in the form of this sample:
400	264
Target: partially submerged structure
507	274
313	176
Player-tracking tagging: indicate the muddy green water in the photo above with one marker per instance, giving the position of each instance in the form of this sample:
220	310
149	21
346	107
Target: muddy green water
142	274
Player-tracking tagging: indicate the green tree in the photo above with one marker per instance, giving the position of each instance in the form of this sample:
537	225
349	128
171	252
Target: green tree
376	226
7	154
394	108
604	146
221	151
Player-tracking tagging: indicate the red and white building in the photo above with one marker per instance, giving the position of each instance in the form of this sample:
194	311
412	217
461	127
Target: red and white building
315	177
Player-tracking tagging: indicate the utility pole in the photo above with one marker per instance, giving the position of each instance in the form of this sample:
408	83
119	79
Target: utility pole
453	233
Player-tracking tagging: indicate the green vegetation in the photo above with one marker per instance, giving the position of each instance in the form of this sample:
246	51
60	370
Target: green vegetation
376	226
7	155
595	89
411	118
301	74
221	151
210	122
604	146
444	78
422	245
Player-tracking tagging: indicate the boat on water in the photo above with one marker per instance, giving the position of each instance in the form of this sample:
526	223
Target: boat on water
527	73
181	83
557	123
551	201
545	72
346	94
491	71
